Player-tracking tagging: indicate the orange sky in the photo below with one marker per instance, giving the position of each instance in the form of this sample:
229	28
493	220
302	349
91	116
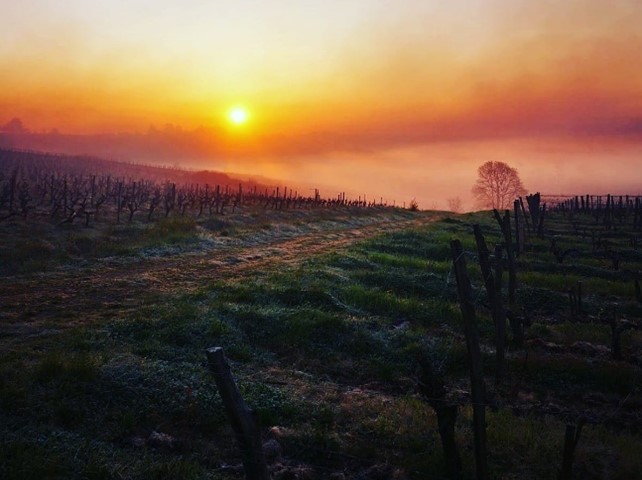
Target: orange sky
341	85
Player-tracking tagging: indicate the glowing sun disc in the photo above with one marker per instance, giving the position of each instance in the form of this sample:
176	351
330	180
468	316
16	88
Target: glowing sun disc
238	115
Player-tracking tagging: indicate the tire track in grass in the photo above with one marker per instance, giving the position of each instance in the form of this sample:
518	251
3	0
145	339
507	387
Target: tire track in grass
108	288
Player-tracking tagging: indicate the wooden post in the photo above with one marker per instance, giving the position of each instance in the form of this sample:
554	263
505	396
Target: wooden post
540	226
533	208
518	240
504	224
516	323
521	204
494	290
474	357
522	237
431	386
242	418
571	437
500	313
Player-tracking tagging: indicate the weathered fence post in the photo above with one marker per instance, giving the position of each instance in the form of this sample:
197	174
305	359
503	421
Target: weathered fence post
571	437
533	208
516	323
504	224
242	418
521	205
431	386
540	225
474	357
500	328
519	241
493	289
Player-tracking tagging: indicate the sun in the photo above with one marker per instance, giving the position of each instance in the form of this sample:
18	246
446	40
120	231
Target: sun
238	115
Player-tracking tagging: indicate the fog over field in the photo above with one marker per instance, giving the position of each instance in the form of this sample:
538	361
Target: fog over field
392	99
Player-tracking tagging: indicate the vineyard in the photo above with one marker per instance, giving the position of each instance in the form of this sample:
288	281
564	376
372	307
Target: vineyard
370	343
67	189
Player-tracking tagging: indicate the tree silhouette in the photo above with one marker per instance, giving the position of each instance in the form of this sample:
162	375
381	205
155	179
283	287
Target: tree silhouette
454	204
497	185
14	126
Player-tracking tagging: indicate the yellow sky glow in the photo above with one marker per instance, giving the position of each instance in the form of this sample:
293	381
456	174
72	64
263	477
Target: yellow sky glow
328	78
238	115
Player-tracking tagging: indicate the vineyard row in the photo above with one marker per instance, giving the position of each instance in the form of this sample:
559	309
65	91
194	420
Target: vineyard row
64	189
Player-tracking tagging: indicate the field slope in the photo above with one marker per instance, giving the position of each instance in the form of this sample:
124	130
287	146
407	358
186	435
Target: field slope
324	315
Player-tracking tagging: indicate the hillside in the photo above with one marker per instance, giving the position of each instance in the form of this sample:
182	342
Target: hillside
330	318
84	165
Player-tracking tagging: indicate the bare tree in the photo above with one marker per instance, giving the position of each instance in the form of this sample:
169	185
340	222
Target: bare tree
497	185
454	204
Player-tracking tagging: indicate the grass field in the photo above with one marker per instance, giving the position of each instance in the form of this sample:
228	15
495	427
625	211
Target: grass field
324	316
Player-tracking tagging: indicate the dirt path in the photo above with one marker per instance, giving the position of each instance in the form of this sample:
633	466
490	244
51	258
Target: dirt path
108	287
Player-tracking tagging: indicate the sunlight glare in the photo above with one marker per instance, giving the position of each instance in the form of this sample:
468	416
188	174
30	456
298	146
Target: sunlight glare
238	115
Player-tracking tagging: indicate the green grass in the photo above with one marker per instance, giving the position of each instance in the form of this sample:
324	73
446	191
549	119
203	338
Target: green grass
325	350
590	285
28	256
404	261
379	302
573	332
171	230
571	375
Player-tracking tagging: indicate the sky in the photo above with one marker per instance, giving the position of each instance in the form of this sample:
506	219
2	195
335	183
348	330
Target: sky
395	98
